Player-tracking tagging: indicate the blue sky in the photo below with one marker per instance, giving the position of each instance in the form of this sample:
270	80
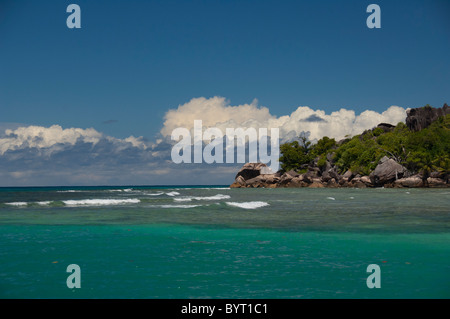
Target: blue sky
132	61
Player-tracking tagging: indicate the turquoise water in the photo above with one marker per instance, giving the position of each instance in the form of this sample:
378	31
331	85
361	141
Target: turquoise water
206	242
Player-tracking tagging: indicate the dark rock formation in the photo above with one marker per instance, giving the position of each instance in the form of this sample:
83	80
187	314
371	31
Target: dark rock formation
420	118
387	171
250	170
386	127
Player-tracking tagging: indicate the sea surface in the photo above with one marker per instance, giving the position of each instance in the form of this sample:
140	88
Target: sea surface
217	242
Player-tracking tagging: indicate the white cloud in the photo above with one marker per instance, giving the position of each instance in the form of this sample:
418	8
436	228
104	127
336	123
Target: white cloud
216	112
54	138
42	137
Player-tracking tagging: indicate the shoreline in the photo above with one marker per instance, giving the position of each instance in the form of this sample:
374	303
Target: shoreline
385	175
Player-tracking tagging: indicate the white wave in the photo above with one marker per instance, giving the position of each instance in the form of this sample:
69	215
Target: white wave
154	194
17	203
172	193
248	205
190	198
183	199
100	202
179	206
69	191
44	202
332	198
121	190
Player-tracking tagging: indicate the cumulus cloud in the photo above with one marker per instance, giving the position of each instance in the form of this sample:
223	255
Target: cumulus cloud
40	137
214	112
217	112
55	138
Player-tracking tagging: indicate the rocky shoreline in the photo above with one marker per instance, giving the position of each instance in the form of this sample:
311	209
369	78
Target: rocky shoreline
387	173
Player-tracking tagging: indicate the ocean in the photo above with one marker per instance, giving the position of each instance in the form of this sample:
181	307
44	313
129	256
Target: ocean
216	242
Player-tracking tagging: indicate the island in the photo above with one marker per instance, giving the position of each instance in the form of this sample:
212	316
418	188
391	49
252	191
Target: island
411	154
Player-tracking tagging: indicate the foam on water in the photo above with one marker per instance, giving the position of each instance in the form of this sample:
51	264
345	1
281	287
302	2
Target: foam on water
248	205
17	204
154	194
172	193
100	202
44	202
190	198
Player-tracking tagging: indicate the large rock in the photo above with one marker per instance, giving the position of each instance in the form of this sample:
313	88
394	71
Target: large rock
292	173
419	118
436	182
348	175
251	170
326	177
412	181
310	175
367	181
386	127
285	179
297	182
316	184
387	171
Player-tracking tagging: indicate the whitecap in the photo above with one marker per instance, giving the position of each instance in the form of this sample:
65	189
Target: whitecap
332	198
190	198
248	205
154	194
183	199
172	193
17	203
121	190
44	202
100	202
69	191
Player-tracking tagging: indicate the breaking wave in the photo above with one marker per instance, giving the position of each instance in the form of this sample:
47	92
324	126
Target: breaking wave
190	198
248	205
172	193
17	204
100	202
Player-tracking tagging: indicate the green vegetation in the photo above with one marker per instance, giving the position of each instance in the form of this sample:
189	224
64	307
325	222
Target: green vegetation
422	152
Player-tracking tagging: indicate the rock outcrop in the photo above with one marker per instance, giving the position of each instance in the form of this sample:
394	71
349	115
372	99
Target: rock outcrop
387	171
419	118
412	181
257	174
